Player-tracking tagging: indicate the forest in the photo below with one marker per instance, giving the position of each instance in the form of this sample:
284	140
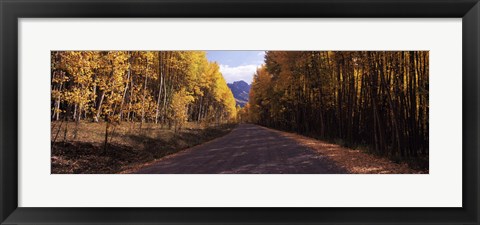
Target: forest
121	111
162	87
375	100
112	110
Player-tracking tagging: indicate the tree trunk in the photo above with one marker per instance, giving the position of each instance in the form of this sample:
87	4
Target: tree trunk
99	108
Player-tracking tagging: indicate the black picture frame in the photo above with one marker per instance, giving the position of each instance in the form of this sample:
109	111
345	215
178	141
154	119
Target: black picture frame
11	11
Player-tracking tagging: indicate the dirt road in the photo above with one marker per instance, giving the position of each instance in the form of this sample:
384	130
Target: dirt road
247	149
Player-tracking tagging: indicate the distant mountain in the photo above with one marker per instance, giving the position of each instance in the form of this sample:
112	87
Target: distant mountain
240	90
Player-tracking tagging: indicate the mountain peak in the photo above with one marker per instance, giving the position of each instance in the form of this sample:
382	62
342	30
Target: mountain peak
240	90
240	82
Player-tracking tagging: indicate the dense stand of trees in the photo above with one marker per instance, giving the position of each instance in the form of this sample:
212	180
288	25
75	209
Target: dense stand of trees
370	98
163	87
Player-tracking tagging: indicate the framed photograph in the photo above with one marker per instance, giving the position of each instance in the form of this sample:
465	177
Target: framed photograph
239	112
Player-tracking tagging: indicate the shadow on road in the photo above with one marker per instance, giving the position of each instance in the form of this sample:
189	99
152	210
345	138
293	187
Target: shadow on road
248	149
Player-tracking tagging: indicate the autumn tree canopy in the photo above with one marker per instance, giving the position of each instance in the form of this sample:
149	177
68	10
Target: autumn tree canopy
378	100
166	87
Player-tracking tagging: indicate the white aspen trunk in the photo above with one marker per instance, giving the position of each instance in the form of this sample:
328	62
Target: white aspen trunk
144	93
99	109
158	99
126	88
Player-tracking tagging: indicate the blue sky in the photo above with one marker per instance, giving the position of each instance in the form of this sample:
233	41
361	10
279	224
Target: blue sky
237	65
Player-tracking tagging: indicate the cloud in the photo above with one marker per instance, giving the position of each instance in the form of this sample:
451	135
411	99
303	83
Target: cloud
237	73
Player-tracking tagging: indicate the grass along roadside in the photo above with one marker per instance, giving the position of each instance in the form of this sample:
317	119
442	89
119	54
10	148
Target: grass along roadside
129	146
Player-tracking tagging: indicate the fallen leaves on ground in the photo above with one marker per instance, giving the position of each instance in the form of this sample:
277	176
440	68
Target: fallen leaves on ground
354	161
130	148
